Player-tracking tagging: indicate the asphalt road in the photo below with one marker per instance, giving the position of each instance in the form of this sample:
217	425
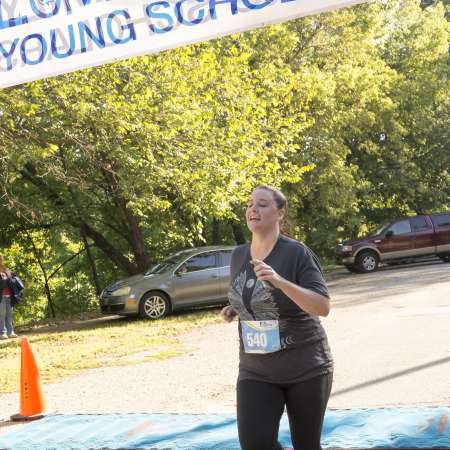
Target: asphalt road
390	335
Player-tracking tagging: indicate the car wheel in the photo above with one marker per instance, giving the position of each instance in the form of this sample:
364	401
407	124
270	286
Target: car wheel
445	257
352	269
367	261
154	305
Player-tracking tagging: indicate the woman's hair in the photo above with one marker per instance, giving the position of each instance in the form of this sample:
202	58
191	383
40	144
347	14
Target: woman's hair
282	203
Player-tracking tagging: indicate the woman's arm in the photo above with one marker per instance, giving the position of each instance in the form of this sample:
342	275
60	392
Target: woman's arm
309	301
228	313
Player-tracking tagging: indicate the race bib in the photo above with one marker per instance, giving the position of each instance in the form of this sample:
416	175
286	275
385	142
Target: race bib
260	336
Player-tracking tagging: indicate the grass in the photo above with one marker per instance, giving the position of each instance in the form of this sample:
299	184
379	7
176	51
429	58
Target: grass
329	264
65	349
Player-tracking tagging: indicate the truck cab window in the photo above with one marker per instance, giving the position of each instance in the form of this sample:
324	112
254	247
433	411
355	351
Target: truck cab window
419	224
402	227
443	221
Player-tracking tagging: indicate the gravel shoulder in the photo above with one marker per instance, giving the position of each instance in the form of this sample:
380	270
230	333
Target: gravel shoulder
388	332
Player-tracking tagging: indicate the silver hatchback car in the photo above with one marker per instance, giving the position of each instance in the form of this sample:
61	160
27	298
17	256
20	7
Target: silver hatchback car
193	277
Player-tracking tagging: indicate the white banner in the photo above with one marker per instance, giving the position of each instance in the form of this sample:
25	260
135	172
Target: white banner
43	38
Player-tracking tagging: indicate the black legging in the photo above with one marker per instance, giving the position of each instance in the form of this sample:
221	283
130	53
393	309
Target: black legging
260	407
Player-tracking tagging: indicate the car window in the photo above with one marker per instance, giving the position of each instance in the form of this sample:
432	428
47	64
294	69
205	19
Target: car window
419	224
442	221
224	258
166	265
402	227
201	262
378	230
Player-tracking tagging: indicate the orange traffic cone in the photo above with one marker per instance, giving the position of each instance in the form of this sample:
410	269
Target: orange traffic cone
31	398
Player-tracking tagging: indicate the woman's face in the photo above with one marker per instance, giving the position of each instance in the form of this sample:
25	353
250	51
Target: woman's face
262	213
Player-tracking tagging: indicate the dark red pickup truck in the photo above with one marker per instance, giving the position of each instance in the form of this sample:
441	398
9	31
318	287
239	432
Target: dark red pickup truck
403	239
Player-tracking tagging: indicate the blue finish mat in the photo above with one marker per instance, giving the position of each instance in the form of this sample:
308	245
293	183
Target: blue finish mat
391	428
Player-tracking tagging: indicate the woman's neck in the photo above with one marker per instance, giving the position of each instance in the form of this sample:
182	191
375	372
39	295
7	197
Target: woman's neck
262	244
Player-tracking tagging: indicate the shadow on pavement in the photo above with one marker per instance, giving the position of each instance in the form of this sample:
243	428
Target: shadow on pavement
390	377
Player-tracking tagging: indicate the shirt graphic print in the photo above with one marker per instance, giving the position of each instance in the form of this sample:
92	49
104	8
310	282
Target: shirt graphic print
251	300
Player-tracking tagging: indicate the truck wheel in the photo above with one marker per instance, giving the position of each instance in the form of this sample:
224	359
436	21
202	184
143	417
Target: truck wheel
367	261
352	269
154	305
445	257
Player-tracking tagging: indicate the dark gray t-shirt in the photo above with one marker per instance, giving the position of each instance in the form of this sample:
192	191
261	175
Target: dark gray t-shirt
305	353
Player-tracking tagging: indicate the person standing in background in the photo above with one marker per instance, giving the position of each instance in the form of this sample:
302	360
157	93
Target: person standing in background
6	297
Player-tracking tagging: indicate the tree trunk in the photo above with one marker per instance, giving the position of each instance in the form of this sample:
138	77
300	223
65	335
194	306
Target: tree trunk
82	232
112	253
29	173
91	261
50	306
133	232
238	233
216	238
136	238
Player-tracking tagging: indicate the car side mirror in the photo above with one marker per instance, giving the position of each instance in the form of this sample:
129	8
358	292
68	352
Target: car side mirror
389	234
182	270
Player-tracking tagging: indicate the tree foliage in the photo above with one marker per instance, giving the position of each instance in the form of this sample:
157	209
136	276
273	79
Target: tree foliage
106	170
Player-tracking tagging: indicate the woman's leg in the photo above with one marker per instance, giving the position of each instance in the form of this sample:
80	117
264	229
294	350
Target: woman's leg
9	317
2	315
259	409
306	403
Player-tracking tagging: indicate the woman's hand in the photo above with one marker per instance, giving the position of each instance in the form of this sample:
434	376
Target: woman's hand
228	313
264	272
309	301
